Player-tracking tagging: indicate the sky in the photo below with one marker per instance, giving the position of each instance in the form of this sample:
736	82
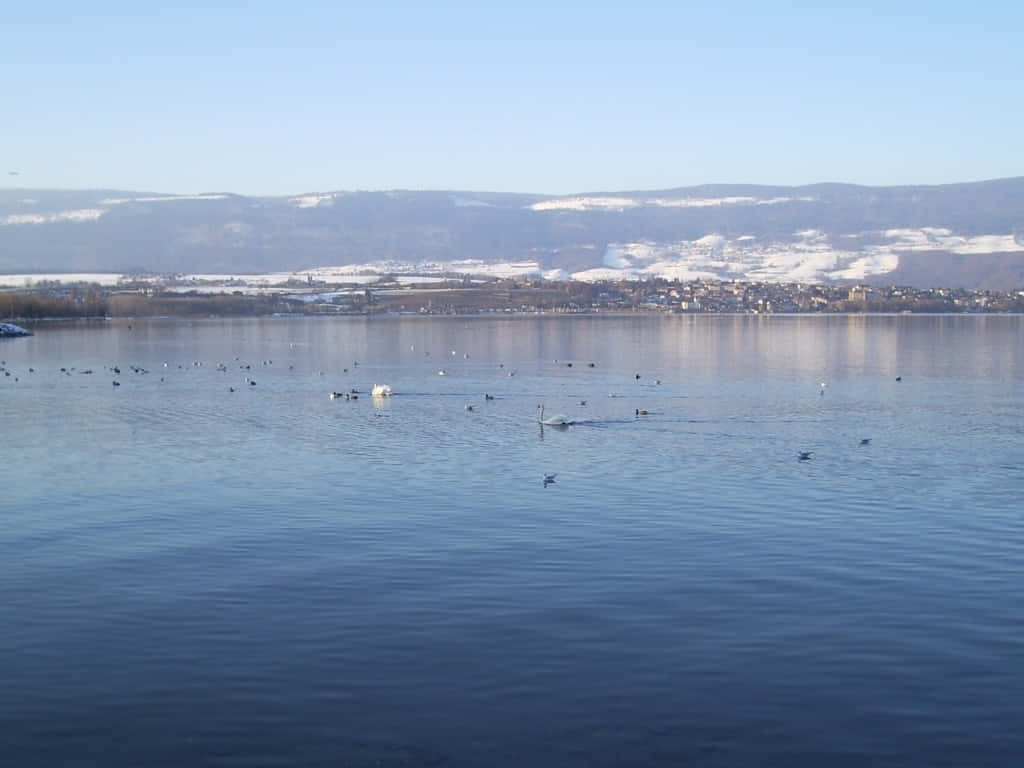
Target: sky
545	97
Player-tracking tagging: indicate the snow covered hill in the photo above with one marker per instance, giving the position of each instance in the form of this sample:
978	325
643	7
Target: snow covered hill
963	235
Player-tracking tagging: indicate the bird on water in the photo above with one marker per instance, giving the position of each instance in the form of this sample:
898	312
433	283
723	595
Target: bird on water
559	420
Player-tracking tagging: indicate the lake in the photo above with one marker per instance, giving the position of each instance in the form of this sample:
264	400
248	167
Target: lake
191	575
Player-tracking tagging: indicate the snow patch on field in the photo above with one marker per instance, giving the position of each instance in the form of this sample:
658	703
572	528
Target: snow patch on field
585	204
942	239
594	203
158	199
312	201
809	258
78	215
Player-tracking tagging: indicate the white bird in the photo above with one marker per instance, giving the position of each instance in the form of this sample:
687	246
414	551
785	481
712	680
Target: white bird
558	420
381	390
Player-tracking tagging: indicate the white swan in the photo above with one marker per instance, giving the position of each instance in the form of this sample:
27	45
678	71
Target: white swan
559	420
381	390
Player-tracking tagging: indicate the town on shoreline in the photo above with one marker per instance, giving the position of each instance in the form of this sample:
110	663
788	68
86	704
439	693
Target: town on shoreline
464	296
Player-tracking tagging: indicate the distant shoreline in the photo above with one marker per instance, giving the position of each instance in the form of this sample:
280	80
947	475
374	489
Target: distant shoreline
30	323
497	298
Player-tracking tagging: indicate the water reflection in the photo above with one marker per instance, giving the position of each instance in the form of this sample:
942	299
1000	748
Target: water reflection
268	575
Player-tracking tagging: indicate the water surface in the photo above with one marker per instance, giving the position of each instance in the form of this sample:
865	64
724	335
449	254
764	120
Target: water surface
195	576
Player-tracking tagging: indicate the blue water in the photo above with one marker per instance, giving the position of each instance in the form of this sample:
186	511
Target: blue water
194	576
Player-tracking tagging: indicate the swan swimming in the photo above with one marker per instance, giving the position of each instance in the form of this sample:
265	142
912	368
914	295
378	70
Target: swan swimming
381	390
559	420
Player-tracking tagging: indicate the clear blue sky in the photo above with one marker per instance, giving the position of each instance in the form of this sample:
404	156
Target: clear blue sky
282	98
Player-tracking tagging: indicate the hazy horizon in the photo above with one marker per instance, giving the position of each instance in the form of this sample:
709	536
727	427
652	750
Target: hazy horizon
11	187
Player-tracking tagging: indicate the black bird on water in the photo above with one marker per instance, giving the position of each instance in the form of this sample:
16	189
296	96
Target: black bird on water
805	455
865	440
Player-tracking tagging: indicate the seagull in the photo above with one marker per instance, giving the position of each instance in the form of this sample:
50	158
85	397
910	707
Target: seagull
549	479
805	455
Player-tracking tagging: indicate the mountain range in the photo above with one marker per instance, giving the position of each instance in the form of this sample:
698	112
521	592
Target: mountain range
967	235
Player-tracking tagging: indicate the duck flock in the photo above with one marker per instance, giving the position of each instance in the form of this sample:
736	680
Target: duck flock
117	373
